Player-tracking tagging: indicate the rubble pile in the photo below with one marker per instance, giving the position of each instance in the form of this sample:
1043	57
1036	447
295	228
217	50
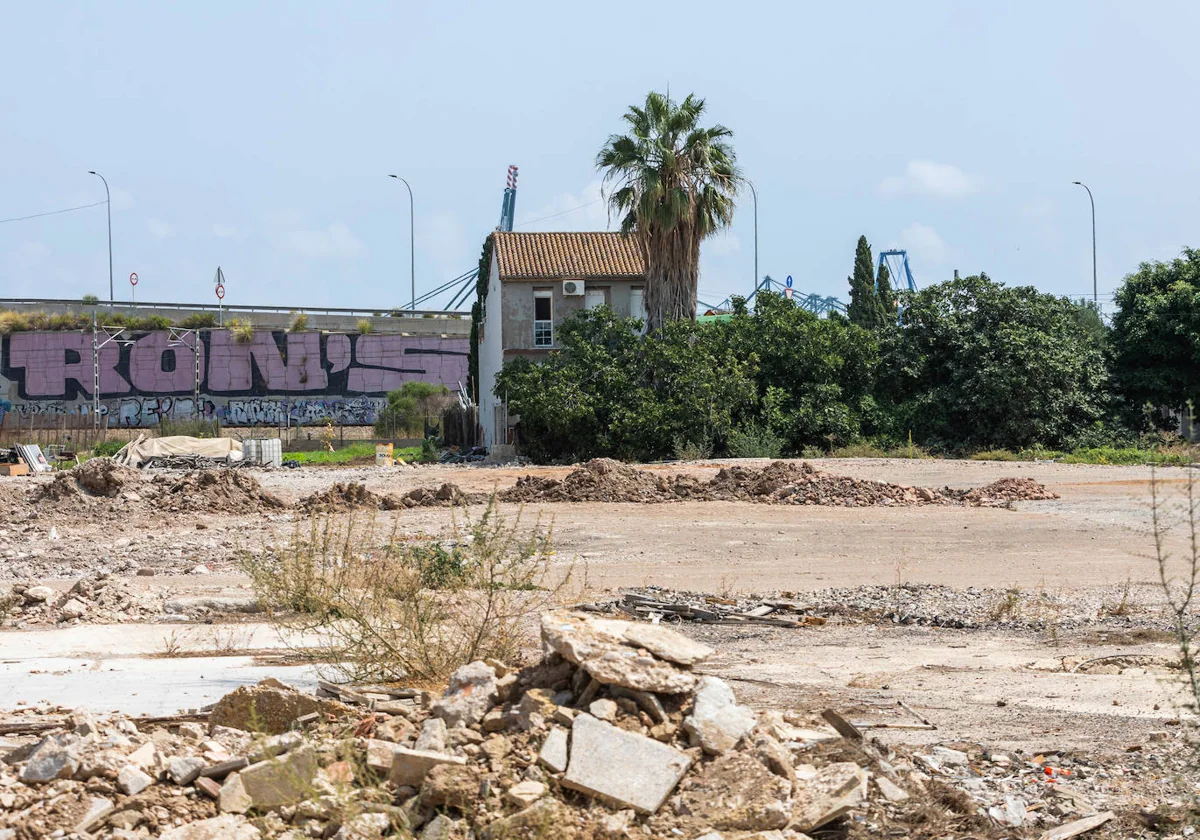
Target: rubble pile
342	497
780	482
97	477
614	734
99	598
213	491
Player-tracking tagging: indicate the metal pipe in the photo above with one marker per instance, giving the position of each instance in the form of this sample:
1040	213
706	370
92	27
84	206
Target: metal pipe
108	207
754	193
1095	290
412	244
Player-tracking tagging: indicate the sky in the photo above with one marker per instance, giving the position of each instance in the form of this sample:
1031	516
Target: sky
259	137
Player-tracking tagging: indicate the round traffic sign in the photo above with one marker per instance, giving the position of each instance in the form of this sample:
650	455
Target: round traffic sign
133	278
220	291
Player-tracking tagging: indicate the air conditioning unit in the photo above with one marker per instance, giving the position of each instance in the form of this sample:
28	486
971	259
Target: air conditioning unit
572	288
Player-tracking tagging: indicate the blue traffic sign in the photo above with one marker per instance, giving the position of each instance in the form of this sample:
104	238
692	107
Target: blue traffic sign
789	281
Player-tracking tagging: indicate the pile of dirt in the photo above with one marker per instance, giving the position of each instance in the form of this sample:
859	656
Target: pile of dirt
1002	492
602	480
341	497
98	598
214	491
353	495
98	477
780	482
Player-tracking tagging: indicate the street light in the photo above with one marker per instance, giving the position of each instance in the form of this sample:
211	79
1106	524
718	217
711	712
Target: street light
108	207
412	244
754	193
1095	295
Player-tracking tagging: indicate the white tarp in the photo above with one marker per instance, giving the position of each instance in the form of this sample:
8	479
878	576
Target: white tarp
137	452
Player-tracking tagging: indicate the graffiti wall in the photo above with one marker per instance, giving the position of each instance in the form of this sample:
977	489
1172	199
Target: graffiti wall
274	379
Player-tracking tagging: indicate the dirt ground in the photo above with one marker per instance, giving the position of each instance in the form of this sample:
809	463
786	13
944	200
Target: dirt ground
1048	584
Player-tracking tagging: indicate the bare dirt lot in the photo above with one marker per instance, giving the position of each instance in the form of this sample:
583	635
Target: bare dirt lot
975	616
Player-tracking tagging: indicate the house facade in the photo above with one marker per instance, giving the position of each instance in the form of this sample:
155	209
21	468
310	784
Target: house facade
536	281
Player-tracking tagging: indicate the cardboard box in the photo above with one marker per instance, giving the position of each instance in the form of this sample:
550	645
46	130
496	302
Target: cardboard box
14	469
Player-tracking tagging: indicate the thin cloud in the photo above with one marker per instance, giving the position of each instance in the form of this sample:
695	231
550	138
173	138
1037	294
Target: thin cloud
929	178
923	243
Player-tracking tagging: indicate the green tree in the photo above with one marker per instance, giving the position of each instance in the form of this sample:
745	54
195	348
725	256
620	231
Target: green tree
408	406
978	364
673	184
865	309
886	294
1156	333
477	310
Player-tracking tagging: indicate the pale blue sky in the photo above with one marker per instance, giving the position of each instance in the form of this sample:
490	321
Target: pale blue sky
258	136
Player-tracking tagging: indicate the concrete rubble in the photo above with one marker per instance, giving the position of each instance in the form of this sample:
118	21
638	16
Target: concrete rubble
523	753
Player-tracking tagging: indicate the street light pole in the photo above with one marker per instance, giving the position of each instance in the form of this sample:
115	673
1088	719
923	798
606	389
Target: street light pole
412	244
108	207
1095	293
754	193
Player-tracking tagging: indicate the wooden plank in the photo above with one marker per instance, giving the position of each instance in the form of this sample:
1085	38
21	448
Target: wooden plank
844	727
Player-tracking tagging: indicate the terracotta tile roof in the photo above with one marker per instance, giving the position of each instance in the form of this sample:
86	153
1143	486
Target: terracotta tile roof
554	255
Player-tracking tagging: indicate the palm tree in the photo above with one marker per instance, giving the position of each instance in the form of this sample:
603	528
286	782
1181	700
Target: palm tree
673	183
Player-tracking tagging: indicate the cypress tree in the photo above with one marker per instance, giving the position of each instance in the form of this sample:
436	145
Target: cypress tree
864	308
886	294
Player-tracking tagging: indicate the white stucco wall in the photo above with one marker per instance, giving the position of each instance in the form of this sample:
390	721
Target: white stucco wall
491	354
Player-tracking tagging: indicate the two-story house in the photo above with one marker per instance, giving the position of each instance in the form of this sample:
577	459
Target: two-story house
538	279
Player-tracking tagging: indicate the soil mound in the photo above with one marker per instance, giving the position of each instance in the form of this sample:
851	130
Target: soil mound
214	491
100	477
1006	490
780	482
341	497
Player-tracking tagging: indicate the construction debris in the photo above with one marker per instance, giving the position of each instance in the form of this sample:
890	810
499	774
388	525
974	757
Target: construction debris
781	482
513	754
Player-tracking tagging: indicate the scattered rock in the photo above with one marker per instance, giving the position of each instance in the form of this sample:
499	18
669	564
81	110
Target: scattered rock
184	770
433	735
471	692
410	766
280	781
224	827
553	755
524	794
266	709
831	793
132	780
717	722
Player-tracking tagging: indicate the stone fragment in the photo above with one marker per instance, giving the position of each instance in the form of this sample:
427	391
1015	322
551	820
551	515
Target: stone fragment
395	729
624	768
547	812
1077	827
127	820
553	755
451	786
471	692
191	732
410	766
827	795
132	780
945	755
536	707
98	808
208	787
224	827
145	756
73	608
666	643
369	826
891	791
1011	813
441	827
55	757
433	735
274	746
496	748
183	770
717	722
599	647
735	792
223	768
38	594
281	781
603	709
379	755
232	798
524	794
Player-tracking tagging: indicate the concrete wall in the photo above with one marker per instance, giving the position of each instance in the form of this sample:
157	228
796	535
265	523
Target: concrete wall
450	324
277	378
517	311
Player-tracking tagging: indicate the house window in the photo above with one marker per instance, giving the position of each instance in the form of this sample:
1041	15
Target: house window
637	305
593	298
543	323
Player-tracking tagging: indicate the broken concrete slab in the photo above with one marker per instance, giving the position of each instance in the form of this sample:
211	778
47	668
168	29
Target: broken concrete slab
232	798
666	643
472	691
600	648
183	770
55	757
891	791
133	780
266	709
624	768
717	722
410	766
433	735
827	795
524	794
553	755
281	781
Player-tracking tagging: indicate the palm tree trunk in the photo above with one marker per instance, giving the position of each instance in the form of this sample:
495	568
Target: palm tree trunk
672	276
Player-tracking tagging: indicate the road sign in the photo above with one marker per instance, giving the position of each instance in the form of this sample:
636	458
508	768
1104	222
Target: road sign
789	281
133	278
220	291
